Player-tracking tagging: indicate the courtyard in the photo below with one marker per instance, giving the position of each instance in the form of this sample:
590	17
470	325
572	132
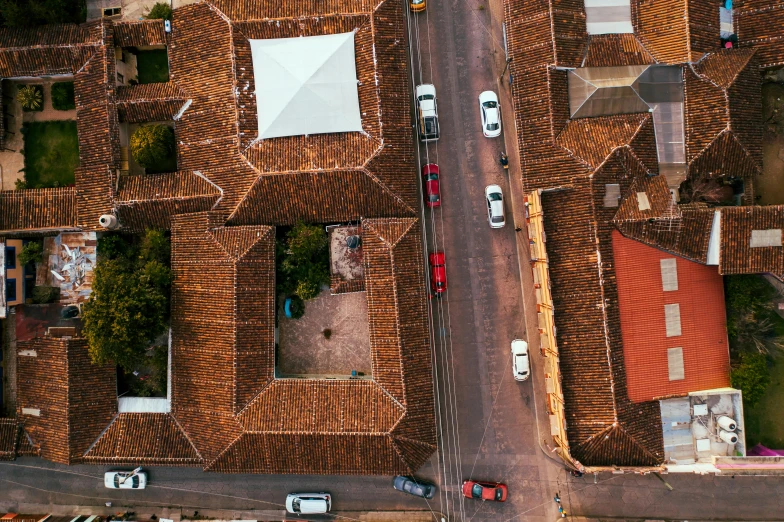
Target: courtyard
332	338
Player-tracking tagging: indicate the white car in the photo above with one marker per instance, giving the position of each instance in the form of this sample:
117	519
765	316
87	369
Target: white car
490	112
308	503
427	112
125	480
495	206
521	367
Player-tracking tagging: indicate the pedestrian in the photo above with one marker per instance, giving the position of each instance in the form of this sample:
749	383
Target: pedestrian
561	511
518	229
557	498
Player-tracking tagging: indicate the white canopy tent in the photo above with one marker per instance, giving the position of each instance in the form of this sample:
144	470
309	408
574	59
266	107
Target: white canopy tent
306	85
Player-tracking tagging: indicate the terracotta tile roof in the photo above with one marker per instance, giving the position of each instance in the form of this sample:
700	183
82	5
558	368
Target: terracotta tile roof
612	50
272	9
9	438
43	51
225	327
73	398
99	135
677	31
325	406
684	231
150	200
722	115
591	140
149	102
703	339
143	438
737	256
758	24
37	209
589	343
139	33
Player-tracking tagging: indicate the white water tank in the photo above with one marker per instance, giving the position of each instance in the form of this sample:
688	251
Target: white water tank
108	221
728	437
726	423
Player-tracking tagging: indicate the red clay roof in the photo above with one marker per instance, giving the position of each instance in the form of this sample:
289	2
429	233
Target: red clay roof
758	24
641	298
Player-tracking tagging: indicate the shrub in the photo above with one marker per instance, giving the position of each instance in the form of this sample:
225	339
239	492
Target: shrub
160	10
32	252
751	377
751	319
156	246
115	246
45	294
152	144
20	184
31	97
63	96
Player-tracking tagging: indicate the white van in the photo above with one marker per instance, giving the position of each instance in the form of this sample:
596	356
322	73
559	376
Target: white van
308	503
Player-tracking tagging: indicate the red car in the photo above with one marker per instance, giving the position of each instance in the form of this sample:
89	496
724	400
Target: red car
437	273
494	491
432	191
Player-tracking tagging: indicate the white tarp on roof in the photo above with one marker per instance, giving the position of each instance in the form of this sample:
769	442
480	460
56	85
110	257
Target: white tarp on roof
306	85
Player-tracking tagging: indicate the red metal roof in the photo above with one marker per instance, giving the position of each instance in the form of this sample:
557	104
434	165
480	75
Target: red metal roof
641	298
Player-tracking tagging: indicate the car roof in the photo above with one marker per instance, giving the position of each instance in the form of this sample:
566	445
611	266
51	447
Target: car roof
519	346
487	96
436	258
430	167
492	115
490	189
425	88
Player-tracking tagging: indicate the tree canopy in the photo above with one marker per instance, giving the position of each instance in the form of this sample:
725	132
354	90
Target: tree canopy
161	10
303	261
129	306
28	13
152	144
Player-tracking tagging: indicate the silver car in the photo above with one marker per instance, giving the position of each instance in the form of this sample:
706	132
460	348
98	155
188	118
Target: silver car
414	487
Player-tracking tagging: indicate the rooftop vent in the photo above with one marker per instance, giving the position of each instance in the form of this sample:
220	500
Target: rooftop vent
108	221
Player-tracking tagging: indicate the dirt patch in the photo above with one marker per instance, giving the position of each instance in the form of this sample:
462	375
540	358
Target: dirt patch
345	262
332	338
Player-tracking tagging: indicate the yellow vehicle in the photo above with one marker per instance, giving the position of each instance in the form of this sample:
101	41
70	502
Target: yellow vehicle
417	5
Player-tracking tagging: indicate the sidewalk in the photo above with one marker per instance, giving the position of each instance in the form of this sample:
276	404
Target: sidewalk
178	515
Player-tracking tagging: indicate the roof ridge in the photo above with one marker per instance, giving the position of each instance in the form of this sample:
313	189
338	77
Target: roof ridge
185	434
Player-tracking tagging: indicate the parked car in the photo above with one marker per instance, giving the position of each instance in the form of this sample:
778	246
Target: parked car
414	487
494	491
427	112
125	479
432	191
495	206
417	5
437	273
521	367
490	112
308	503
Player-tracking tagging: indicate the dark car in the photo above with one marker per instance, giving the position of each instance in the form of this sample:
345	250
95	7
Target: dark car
414	487
495	491
432	191
437	273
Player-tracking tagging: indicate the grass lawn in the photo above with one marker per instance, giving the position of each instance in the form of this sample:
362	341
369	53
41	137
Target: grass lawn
51	153
153	66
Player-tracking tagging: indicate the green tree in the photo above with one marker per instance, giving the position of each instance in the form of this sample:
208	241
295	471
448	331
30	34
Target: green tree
63	96
160	10
751	316
152	144
30	97
751	377
28	13
32	252
129	306
303	261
